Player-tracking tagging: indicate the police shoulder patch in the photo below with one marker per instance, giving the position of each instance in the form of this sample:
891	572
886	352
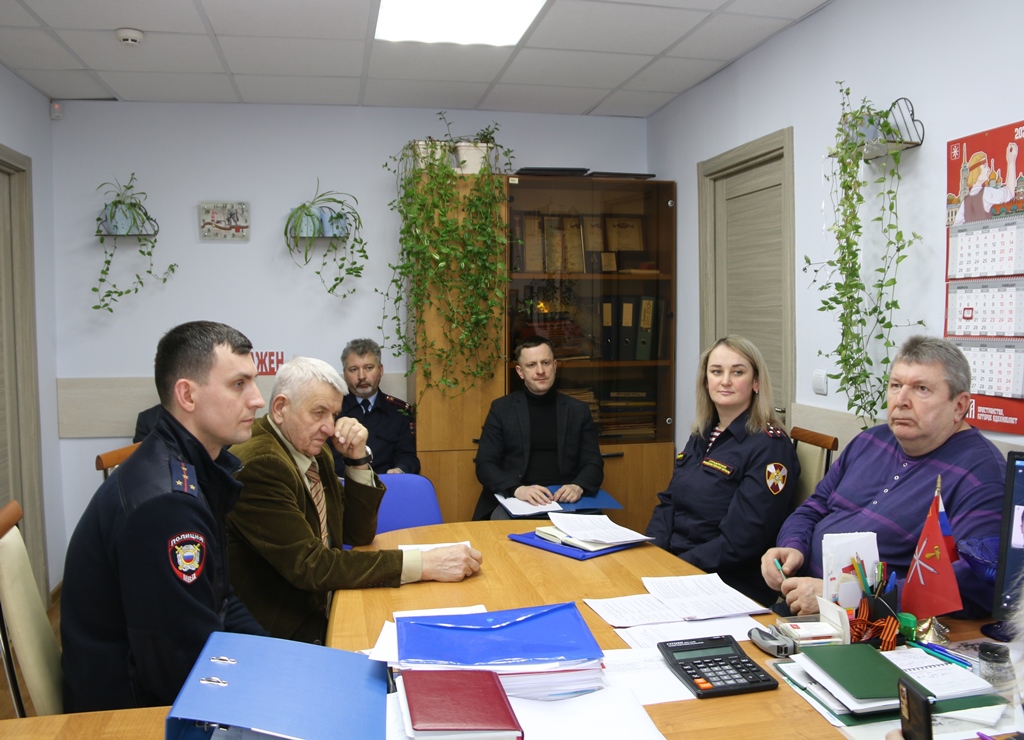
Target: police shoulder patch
775	475
187	553
184	478
403	406
774	431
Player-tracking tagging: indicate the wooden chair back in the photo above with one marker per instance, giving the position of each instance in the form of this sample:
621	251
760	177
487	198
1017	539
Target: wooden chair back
814	450
107	461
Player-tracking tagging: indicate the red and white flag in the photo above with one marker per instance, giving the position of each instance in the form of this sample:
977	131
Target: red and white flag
931	588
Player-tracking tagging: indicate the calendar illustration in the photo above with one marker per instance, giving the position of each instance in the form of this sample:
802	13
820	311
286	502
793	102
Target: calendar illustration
983	308
985	271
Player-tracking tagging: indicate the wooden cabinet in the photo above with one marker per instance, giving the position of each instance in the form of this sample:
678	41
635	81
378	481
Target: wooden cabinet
591	263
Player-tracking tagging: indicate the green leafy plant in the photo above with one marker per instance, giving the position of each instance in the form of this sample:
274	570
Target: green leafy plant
125	215
328	215
451	265
861	292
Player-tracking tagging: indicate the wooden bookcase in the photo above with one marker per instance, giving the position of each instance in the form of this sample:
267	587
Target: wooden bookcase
592	266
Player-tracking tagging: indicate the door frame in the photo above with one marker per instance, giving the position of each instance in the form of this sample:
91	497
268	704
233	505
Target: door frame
22	369
776	145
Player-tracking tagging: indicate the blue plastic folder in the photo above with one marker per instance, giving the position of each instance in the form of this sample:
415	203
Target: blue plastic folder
600	500
279	688
531	538
539	634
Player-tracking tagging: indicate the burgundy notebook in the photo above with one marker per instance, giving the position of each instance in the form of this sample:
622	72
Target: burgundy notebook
465	701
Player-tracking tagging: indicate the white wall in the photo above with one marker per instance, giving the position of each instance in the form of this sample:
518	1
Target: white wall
270	156
25	126
883	50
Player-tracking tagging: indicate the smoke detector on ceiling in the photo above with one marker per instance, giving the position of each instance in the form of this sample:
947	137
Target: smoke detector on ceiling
129	36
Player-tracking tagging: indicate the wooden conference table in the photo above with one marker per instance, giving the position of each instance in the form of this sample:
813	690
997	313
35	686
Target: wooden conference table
513	575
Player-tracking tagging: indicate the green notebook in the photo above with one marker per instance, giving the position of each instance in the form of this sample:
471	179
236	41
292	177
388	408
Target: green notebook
858	668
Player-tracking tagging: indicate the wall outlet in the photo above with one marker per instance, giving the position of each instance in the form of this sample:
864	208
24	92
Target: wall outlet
820	383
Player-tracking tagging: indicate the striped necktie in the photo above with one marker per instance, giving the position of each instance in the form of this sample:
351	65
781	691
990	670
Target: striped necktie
316	492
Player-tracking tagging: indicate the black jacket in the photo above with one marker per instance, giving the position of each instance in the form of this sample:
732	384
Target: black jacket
392	433
145	578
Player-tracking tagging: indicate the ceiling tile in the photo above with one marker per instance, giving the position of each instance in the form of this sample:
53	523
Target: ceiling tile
790	9
70	84
158	52
452	62
543	99
34	48
298	90
180	17
303	19
572	68
632	103
684	4
316	57
727	37
171	88
673	75
590	26
12	14
418	94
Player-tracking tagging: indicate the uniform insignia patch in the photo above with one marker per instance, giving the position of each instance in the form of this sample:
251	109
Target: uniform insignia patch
187	553
184	478
775	475
773	431
680	457
721	467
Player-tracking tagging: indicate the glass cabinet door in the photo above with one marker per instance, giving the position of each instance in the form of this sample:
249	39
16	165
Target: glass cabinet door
592	268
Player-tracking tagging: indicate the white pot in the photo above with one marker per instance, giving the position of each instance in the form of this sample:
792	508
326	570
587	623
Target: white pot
471	156
431	149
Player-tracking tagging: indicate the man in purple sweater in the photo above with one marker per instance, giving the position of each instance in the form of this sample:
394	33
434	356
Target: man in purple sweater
884	481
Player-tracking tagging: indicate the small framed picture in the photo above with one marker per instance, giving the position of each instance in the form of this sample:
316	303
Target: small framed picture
224	221
625	233
608	262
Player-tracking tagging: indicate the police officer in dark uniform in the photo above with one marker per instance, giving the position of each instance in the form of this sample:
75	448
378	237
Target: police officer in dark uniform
389	420
732	484
146	574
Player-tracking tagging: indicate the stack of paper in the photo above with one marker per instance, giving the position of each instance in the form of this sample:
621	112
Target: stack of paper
596	530
701	597
547	652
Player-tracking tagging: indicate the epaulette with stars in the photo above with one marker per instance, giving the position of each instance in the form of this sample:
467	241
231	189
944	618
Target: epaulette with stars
403	406
774	431
184	478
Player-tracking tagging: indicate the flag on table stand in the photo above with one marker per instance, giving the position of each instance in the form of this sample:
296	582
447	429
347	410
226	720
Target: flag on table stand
931	588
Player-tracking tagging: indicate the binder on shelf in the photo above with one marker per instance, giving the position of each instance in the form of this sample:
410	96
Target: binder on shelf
661	330
279	688
609	323
645	328
627	327
549	633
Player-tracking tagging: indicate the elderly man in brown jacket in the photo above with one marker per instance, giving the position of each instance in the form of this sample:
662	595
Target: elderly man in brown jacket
286	532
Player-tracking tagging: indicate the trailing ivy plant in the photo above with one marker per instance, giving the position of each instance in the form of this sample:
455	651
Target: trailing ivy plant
861	291
447	289
125	215
328	216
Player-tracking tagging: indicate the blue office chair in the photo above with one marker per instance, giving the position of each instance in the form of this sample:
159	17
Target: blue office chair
409	502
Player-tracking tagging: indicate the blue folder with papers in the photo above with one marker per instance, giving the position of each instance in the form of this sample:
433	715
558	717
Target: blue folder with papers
531	539
279	688
540	634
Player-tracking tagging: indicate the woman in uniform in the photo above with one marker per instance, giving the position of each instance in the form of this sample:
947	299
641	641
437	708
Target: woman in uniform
732	483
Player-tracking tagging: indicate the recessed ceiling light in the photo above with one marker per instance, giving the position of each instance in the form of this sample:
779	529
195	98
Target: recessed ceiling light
487	22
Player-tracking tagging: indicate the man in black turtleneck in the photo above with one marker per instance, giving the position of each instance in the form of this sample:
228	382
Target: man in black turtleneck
535	438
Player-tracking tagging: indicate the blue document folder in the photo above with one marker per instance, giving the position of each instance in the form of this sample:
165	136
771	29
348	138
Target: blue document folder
539	634
600	500
531	538
280	688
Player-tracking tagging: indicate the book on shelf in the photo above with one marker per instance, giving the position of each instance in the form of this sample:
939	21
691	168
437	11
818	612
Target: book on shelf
575	255
627	329
645	328
533	243
609	331
554	244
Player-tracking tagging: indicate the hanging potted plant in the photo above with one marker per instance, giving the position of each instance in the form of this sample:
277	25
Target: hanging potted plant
451	264
858	289
328	218
472	152
124	215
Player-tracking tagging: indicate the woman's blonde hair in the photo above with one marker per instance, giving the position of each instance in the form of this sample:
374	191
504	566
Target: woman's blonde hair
762	409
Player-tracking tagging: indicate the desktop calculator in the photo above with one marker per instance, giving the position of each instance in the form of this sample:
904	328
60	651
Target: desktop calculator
715	666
